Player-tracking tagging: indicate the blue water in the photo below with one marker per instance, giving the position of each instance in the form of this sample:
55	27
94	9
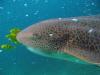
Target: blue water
23	13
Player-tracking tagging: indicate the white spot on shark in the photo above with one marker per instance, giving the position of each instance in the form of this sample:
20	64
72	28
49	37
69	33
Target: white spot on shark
74	19
50	35
91	30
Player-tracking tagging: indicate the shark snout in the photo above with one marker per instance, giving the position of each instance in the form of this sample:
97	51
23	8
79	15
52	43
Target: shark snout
24	36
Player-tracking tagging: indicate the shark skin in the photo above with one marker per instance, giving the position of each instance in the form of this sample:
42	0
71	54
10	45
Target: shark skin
76	39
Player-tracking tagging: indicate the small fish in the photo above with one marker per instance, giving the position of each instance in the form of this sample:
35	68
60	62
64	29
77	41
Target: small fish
75	38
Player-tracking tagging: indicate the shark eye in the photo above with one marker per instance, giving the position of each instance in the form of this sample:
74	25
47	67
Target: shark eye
36	36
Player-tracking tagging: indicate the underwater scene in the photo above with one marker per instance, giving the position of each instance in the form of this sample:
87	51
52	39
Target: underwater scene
49	37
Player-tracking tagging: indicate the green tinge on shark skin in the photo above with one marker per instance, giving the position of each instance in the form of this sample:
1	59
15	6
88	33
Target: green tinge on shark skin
58	55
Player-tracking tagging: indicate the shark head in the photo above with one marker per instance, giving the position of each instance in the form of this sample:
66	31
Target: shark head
64	38
47	38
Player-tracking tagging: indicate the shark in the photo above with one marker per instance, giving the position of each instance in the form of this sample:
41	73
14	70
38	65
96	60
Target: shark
76	39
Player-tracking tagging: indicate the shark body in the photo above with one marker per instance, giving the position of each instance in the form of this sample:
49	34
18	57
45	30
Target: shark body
75	38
